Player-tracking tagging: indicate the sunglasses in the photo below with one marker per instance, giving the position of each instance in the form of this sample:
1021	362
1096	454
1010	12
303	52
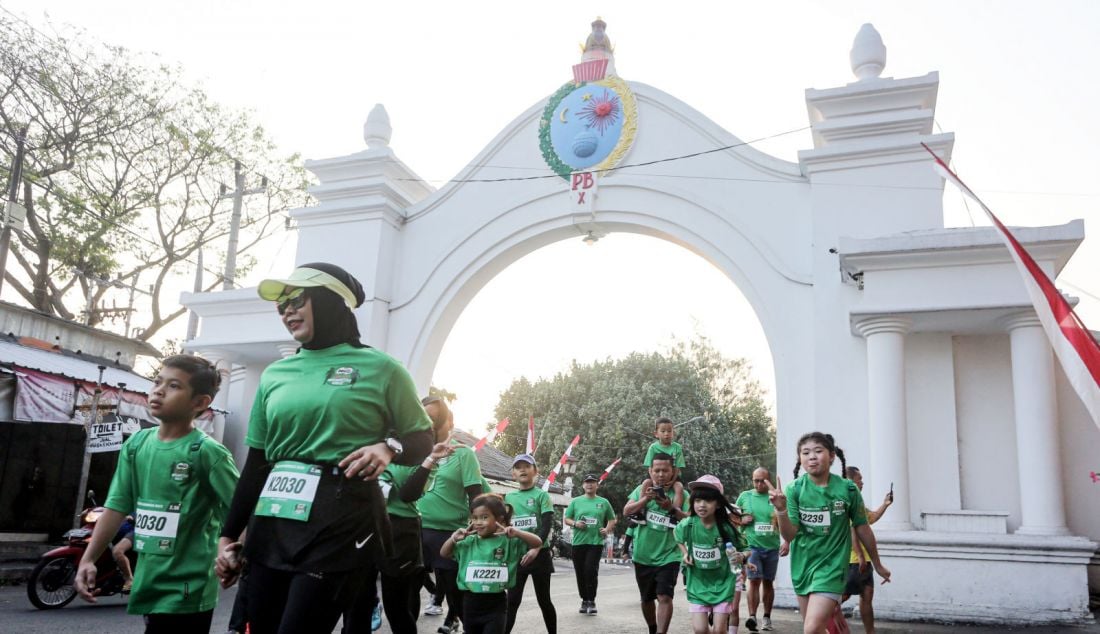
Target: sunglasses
294	299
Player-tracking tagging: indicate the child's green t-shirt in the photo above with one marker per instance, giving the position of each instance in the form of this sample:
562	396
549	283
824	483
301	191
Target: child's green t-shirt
489	564
709	580
674	449
179	492
824	517
528	507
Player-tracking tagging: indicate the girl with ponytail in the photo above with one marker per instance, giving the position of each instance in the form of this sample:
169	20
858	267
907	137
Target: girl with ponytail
817	514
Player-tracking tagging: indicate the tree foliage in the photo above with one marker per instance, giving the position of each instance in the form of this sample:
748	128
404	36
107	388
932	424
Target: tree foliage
726	431
123	177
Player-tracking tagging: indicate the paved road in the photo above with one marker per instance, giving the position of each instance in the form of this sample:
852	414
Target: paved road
617	600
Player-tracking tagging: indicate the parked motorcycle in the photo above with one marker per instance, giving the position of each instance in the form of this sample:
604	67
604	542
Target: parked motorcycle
51	582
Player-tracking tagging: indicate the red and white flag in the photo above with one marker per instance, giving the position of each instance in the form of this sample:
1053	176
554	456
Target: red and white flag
493	434
564	457
531	436
607	471
1073	344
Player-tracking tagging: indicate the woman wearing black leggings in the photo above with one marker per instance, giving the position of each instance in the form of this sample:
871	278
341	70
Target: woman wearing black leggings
325	423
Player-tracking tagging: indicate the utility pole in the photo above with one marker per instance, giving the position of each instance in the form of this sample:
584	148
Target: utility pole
96	282
239	192
193	318
86	466
11	206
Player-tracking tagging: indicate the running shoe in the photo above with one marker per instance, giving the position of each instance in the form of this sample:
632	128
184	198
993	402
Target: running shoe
448	628
376	618
767	626
592	607
433	610
584	607
750	623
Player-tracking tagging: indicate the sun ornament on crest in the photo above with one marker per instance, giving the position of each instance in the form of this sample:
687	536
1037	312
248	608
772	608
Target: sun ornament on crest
602	111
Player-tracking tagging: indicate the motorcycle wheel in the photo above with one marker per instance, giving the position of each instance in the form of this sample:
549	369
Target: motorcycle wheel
51	583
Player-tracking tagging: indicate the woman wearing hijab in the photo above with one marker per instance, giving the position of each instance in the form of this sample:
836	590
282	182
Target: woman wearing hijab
325	423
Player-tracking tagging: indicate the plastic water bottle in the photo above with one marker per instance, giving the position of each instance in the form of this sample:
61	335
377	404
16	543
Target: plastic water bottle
731	554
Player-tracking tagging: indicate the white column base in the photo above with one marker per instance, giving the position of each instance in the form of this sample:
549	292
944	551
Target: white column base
973	578
1056	531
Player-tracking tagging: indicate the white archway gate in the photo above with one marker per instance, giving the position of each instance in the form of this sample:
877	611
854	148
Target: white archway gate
886	329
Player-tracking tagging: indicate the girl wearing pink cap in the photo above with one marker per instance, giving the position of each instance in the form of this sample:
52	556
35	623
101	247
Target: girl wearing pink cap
702	538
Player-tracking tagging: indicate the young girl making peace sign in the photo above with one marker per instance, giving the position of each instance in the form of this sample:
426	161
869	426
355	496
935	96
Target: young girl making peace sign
816	514
488	553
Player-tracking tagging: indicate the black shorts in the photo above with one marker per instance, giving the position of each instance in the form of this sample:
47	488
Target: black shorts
858	581
433	542
656	580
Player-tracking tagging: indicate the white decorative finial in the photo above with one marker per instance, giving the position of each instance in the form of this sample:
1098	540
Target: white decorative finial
868	55
377	130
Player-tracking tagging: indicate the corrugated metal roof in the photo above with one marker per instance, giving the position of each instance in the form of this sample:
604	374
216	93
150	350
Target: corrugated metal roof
495	464
71	367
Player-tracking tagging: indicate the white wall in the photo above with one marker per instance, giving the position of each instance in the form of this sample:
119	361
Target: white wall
987	427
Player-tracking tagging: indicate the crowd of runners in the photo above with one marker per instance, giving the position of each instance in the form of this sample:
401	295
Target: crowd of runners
354	482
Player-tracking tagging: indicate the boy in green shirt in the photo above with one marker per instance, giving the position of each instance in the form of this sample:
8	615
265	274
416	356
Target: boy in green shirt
665	432
178	483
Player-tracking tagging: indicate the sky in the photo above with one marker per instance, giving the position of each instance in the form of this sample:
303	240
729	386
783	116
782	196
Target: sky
1017	87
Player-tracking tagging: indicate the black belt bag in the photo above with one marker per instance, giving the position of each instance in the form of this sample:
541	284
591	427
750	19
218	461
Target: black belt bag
348	527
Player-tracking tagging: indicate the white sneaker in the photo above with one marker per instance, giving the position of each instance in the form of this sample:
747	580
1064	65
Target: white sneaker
766	624
433	610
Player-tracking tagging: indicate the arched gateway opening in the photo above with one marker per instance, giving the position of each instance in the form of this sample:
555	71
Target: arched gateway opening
895	334
577	301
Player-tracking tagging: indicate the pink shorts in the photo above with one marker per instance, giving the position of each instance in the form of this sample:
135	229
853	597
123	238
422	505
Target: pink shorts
721	608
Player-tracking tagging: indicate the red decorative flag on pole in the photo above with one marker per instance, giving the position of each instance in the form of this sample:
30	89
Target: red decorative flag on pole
531	436
564	458
607	471
493	434
1073	344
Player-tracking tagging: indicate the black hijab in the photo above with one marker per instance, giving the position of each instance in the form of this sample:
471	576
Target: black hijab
333	321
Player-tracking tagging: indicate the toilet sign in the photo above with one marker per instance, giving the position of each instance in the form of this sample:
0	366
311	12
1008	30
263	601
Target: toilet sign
582	190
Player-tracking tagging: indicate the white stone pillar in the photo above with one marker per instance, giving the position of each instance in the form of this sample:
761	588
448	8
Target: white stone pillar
221	399
886	415
1042	502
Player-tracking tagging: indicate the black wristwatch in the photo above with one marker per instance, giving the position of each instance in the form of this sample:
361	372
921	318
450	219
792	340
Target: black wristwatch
395	446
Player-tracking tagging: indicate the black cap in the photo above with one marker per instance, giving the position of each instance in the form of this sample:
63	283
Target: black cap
591	477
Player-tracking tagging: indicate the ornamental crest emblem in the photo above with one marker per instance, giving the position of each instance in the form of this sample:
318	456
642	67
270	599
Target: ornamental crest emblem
589	124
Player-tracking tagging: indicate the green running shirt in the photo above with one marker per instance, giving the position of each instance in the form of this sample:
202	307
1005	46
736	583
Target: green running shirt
489	564
824	517
444	507
762	533
595	513
528	505
318	406
188	483
654	543
676	450
710	580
